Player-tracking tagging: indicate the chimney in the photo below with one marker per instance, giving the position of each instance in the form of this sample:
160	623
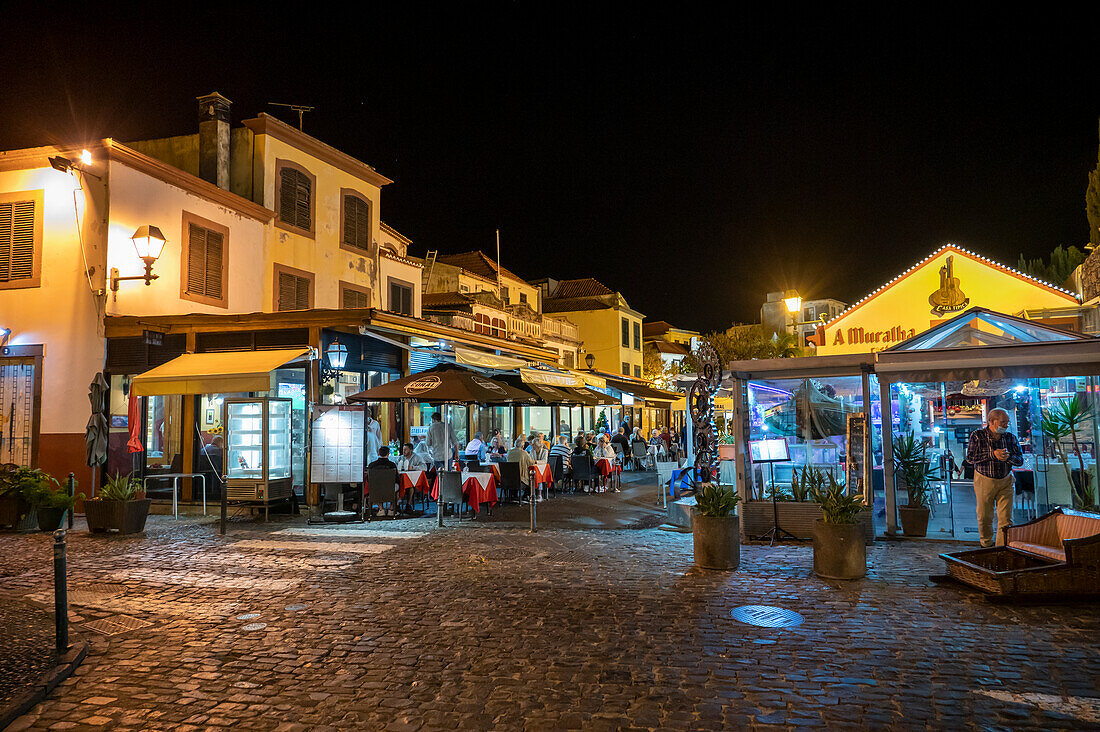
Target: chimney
214	139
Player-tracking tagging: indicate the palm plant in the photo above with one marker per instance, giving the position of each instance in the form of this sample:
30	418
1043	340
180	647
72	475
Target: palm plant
837	505
119	488
911	463
1062	420
717	500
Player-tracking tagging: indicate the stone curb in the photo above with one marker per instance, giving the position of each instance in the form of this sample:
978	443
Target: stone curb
66	664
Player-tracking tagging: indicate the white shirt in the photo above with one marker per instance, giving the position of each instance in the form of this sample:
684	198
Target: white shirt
437	433
413	462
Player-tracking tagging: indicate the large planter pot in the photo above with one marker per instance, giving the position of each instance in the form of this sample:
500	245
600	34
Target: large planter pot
717	541
14	511
839	551
49	519
914	520
125	517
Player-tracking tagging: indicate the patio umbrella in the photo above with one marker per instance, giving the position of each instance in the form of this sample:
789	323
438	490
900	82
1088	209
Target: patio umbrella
545	393
445	384
95	432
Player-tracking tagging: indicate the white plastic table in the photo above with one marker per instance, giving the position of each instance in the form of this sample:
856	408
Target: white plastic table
176	486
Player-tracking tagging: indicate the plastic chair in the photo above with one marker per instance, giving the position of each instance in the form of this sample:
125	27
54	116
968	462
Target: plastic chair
640	455
382	489
450	489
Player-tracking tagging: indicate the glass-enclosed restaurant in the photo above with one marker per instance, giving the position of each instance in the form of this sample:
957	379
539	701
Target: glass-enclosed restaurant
937	386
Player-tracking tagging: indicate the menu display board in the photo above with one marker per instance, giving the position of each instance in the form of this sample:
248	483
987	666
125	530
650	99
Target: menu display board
769	451
337	451
857	445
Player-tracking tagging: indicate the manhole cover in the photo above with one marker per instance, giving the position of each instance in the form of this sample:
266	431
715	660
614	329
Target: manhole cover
295	608
766	616
115	625
248	616
254	626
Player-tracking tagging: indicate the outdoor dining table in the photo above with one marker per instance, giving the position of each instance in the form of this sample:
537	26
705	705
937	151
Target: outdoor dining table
608	468
411	480
477	488
542	473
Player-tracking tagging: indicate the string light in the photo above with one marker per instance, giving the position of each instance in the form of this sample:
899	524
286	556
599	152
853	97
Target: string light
938	252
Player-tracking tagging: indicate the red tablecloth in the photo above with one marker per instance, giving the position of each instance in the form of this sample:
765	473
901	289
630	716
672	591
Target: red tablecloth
542	474
607	466
477	488
411	480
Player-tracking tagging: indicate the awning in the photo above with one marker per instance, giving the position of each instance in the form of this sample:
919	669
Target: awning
214	373
641	391
550	378
484	360
591	379
589	398
1030	360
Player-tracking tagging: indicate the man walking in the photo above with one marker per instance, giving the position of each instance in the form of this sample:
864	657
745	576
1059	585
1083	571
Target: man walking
993	452
441	441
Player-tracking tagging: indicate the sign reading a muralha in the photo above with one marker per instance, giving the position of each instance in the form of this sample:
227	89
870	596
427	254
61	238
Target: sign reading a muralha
941	286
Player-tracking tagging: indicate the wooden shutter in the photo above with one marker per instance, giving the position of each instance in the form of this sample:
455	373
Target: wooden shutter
293	292
16	241
205	251
356	223
295	193
355	298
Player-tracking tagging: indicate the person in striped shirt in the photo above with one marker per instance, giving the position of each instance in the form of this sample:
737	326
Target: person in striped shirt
993	451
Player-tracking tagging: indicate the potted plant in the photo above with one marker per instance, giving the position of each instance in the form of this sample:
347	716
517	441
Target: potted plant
715	528
118	507
51	505
839	548
727	450
912	471
1063	420
14	507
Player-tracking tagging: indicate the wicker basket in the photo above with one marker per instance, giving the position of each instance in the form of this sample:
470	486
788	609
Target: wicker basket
995	570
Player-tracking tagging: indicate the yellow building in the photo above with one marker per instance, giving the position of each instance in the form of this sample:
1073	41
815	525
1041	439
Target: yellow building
609	328
936	289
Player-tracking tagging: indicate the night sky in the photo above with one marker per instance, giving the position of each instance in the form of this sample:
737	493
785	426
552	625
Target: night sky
691	161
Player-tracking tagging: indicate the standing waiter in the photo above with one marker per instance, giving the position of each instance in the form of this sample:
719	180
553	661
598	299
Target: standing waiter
993	452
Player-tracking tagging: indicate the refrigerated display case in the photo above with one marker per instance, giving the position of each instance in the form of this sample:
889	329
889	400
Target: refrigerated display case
257	450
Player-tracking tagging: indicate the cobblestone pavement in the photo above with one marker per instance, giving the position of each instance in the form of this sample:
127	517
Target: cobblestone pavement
26	647
289	627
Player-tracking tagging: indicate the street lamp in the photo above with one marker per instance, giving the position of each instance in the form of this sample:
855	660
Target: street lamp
148	243
337	354
590	361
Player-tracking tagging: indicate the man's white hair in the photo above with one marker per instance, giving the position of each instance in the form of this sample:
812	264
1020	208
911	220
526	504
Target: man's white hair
997	410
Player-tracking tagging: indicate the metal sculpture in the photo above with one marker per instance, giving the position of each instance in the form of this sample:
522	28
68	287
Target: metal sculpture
700	401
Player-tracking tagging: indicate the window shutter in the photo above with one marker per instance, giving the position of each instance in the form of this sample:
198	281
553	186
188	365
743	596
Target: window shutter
214	254
301	295
196	260
355	298
356	223
16	241
288	291
294	198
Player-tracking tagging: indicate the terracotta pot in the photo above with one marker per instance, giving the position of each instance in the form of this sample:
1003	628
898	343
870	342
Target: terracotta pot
914	520
839	551
717	541
125	517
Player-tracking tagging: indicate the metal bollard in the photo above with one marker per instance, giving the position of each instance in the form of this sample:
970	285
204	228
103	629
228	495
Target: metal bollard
533	498
60	592
70	488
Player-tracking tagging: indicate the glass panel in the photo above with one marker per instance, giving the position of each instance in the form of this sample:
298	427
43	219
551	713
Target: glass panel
539	419
986	329
119	459
163	435
245	435
290	383
278	439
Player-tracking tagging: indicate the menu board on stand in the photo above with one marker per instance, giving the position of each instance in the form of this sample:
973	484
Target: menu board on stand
337	451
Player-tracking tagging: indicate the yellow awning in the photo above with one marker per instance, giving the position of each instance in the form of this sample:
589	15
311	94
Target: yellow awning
470	357
550	378
214	373
592	380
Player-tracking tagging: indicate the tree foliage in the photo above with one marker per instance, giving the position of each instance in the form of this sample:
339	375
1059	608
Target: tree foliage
745	342
1062	264
1092	205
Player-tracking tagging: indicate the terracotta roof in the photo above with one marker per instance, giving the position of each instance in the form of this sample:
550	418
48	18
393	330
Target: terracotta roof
669	347
656	328
586	287
477	263
435	300
573	304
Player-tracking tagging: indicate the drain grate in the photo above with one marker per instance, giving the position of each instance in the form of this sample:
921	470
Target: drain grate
567	557
116	624
766	616
254	626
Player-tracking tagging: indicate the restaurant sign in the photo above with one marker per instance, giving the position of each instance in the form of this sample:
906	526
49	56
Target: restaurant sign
949	298
858	335
421	385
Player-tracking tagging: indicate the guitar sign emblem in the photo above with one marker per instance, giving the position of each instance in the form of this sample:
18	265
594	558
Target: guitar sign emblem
949	298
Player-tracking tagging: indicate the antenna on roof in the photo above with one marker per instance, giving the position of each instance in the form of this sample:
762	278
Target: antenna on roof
299	108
